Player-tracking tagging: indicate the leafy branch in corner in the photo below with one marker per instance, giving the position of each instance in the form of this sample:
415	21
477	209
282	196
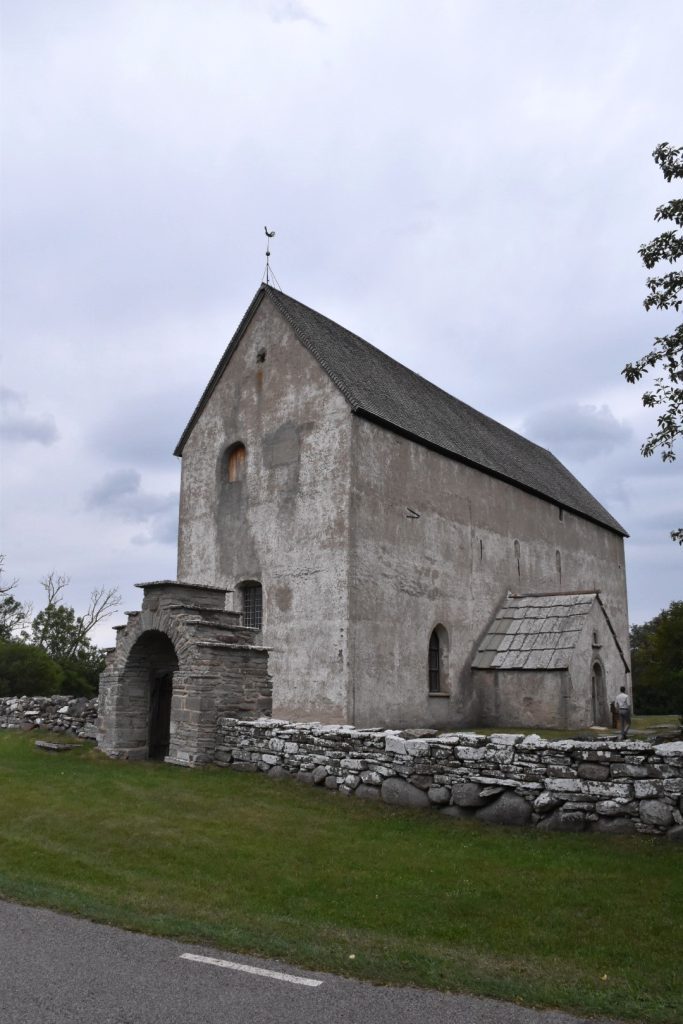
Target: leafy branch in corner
664	292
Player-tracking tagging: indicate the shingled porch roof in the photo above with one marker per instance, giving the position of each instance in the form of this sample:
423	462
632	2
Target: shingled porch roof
381	389
538	631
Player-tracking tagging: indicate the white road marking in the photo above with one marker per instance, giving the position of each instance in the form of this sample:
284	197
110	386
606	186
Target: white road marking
292	978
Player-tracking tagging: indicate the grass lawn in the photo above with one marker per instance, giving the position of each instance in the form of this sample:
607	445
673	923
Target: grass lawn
591	924
642	727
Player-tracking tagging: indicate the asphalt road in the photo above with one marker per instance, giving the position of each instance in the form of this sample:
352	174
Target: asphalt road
56	969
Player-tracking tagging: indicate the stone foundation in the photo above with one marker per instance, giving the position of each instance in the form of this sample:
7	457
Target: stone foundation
610	786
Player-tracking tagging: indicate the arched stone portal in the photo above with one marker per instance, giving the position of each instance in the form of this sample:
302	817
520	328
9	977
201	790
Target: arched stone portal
147	693
178	666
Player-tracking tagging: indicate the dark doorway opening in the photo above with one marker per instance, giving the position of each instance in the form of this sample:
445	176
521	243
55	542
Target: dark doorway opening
161	692
599	695
147	697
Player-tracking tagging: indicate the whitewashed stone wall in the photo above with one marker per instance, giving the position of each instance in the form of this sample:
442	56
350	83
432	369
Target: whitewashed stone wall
75	715
567	785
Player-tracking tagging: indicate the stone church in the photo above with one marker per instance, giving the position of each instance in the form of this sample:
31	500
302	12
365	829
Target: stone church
358	546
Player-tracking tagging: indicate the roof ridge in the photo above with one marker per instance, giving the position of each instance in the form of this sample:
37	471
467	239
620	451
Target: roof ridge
384	391
222	363
310	344
402	366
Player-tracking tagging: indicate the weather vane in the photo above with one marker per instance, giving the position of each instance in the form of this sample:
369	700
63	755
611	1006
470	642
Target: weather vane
268	273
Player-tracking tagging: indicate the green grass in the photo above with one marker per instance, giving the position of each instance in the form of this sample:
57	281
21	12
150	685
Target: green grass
642	727
654	721
590	924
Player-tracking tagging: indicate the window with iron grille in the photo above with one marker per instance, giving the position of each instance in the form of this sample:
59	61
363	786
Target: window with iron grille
434	663
252	605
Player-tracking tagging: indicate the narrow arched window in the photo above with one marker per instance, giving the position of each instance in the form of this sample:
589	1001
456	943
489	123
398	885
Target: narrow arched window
252	605
237	457
434	663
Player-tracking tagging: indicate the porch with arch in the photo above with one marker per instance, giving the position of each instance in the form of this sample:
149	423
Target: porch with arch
178	666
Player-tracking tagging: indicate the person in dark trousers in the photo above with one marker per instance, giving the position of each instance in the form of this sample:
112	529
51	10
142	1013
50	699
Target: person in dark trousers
622	702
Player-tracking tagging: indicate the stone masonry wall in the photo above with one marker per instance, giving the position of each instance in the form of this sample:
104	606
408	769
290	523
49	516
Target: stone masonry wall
76	715
610	786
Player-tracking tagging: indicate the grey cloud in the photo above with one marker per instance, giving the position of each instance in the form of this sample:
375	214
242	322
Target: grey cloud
163	528
489	244
119	493
578	432
114	488
19	426
290	10
145	431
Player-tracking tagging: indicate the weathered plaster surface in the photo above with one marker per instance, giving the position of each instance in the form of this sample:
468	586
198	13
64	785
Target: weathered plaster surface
285	524
451	566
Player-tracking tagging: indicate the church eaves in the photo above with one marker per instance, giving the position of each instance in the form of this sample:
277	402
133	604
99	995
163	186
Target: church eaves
381	389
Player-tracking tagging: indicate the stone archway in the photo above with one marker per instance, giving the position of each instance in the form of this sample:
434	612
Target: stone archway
178	666
147	696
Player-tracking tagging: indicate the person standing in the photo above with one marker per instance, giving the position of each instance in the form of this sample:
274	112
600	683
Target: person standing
622	702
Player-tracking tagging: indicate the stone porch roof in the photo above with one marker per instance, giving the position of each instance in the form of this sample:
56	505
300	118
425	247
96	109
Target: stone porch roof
537	631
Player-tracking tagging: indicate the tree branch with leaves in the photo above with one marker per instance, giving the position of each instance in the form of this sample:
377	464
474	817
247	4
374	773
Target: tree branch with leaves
665	292
57	628
14	615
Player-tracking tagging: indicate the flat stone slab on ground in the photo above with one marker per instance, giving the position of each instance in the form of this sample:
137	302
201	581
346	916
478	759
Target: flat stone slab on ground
57	748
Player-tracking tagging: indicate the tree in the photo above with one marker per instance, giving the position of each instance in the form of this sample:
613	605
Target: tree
14	616
664	292
26	671
51	652
64	636
57	628
657	662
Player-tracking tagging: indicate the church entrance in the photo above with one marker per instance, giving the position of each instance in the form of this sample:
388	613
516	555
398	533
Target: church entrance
146	697
160	715
598	695
179	665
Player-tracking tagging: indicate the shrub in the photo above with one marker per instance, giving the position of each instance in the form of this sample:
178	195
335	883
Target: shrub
27	671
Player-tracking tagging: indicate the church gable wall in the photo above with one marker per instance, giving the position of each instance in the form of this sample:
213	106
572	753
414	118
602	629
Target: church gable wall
596	645
284	521
437	542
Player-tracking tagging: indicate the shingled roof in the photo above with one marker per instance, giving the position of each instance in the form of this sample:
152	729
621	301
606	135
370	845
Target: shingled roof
383	390
537	631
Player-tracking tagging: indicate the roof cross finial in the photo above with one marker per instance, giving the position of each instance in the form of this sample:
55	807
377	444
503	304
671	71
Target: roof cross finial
268	273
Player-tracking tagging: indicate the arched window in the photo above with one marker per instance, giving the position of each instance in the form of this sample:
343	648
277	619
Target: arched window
237	456
434	663
252	604
437	663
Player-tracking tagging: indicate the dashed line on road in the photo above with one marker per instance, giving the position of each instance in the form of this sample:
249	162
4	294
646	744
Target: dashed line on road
293	979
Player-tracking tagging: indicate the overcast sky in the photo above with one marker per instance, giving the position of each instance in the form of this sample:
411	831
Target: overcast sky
464	184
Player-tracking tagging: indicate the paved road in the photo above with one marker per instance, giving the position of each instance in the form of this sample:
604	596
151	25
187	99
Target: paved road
62	970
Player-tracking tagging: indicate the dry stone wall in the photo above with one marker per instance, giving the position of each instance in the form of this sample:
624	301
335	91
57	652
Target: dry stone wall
75	715
612	786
